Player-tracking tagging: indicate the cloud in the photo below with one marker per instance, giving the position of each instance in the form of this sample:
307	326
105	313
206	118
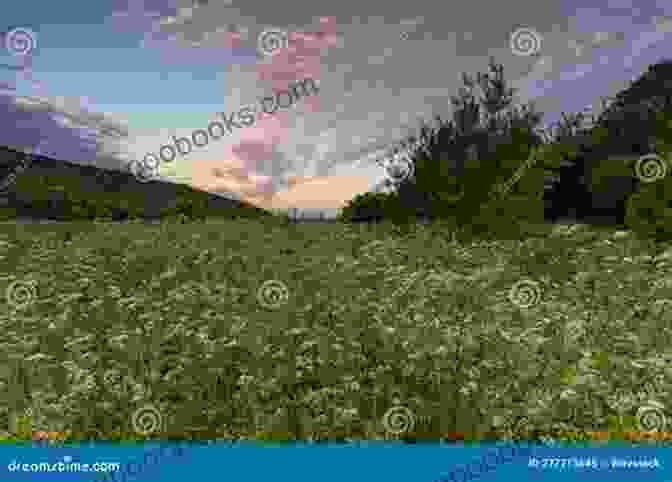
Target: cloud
53	128
362	109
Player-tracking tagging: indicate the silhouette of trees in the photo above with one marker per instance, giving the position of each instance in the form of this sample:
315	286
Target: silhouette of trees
486	129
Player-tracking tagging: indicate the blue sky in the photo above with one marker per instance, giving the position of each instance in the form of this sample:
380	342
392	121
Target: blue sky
109	81
84	53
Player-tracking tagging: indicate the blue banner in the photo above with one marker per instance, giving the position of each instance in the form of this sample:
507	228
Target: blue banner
389	462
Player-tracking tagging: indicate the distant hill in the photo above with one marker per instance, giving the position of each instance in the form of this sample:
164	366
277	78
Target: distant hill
62	190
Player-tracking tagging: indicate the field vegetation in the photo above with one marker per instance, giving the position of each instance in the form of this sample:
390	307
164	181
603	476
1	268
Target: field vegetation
487	322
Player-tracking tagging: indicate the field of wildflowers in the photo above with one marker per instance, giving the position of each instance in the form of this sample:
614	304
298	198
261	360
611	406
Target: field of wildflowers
247	329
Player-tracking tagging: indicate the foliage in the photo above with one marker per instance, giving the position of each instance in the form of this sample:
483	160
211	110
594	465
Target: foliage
374	312
369	313
64	197
372	207
598	162
457	163
619	179
649	211
630	124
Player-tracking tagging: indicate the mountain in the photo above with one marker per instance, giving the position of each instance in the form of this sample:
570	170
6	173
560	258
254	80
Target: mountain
62	190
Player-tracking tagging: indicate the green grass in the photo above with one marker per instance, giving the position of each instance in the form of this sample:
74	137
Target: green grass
124	315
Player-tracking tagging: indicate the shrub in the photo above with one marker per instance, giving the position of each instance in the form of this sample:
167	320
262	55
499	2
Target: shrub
366	207
643	207
457	165
610	183
649	211
509	188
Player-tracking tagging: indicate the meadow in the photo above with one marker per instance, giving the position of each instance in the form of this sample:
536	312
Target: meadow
480	322
268	330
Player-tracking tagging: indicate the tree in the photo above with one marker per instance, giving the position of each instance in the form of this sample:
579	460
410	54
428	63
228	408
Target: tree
626	130
485	125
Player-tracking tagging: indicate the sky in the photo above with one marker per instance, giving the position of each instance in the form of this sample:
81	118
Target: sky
110	81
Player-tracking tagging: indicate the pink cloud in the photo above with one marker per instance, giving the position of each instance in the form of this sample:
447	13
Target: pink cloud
301	60
237	171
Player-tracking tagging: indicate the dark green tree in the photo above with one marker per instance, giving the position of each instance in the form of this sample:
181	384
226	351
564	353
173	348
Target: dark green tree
455	164
605	155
